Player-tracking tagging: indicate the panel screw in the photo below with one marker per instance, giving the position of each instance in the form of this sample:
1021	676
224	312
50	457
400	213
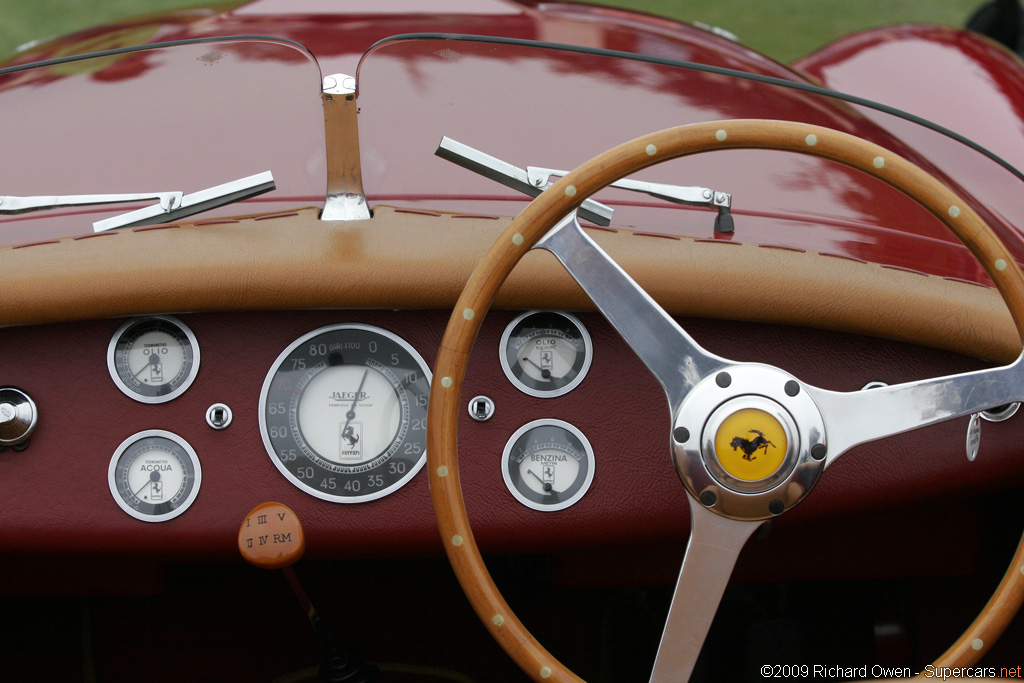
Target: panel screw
723	379
681	434
792	388
819	451
776	507
708	498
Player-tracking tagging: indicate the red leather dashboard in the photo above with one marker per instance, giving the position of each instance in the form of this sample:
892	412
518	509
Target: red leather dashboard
56	497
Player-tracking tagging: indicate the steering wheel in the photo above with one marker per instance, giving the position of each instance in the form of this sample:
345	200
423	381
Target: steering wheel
716	404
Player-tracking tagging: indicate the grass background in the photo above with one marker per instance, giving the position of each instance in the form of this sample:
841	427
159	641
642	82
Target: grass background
783	29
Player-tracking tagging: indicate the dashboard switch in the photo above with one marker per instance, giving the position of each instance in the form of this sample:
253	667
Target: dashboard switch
218	416
18	416
481	408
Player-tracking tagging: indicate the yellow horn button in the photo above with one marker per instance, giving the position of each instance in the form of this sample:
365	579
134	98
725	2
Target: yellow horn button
751	444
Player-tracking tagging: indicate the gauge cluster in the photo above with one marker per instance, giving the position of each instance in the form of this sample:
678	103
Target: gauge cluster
342	412
547	464
267	418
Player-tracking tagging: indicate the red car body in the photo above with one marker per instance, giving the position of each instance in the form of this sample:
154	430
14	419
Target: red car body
905	536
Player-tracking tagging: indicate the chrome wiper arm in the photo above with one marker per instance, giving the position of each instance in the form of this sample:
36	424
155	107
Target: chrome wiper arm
512	176
170	206
677	194
191	204
8	204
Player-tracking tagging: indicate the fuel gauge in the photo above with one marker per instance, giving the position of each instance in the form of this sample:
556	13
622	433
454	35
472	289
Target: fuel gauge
546	353
548	465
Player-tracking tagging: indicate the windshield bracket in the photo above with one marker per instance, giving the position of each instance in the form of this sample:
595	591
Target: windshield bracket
345	200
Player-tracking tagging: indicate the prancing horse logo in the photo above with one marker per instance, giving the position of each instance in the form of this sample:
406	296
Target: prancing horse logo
751	446
350	435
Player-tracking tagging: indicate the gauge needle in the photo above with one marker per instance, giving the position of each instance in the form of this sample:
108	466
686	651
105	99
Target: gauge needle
351	414
546	374
154	476
547	486
153	360
352	408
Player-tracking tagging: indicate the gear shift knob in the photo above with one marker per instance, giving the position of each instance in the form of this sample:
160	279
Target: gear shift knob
271	536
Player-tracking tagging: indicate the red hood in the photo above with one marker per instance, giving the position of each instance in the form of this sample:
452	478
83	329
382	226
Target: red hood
787	201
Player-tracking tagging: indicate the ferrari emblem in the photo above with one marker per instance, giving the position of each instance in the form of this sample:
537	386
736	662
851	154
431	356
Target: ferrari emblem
751	444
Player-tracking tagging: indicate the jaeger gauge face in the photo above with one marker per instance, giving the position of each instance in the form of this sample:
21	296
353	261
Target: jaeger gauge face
154	475
153	359
343	412
548	465
546	353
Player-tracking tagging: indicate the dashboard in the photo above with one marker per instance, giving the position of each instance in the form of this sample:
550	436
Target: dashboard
601	475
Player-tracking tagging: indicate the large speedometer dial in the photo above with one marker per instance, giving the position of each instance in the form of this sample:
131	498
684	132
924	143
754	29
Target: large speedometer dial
343	412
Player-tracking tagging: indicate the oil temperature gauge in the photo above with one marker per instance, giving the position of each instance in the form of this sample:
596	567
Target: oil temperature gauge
546	353
153	359
154	475
548	465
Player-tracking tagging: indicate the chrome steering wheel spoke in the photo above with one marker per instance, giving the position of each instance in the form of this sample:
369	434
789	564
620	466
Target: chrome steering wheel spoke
858	417
715	544
676	359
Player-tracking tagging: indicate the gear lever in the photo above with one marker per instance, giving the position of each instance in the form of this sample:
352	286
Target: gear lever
271	538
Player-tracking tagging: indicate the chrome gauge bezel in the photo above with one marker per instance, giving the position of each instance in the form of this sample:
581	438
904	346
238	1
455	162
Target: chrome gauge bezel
289	448
176	447
528	496
519	377
175	386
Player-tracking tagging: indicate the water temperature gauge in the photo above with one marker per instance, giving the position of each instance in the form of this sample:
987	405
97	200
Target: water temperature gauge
548	465
154	475
546	353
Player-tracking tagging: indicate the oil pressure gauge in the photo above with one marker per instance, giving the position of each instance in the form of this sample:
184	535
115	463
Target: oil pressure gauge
154	475
548	465
546	353
153	359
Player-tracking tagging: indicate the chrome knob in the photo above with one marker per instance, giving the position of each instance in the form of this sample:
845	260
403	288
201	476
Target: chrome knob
18	416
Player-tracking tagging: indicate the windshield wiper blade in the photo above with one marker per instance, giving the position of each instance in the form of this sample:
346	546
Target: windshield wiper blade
170	206
512	176
535	180
9	204
191	204
677	194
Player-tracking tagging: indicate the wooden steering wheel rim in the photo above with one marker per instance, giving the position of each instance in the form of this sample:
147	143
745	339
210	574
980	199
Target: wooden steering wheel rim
565	196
